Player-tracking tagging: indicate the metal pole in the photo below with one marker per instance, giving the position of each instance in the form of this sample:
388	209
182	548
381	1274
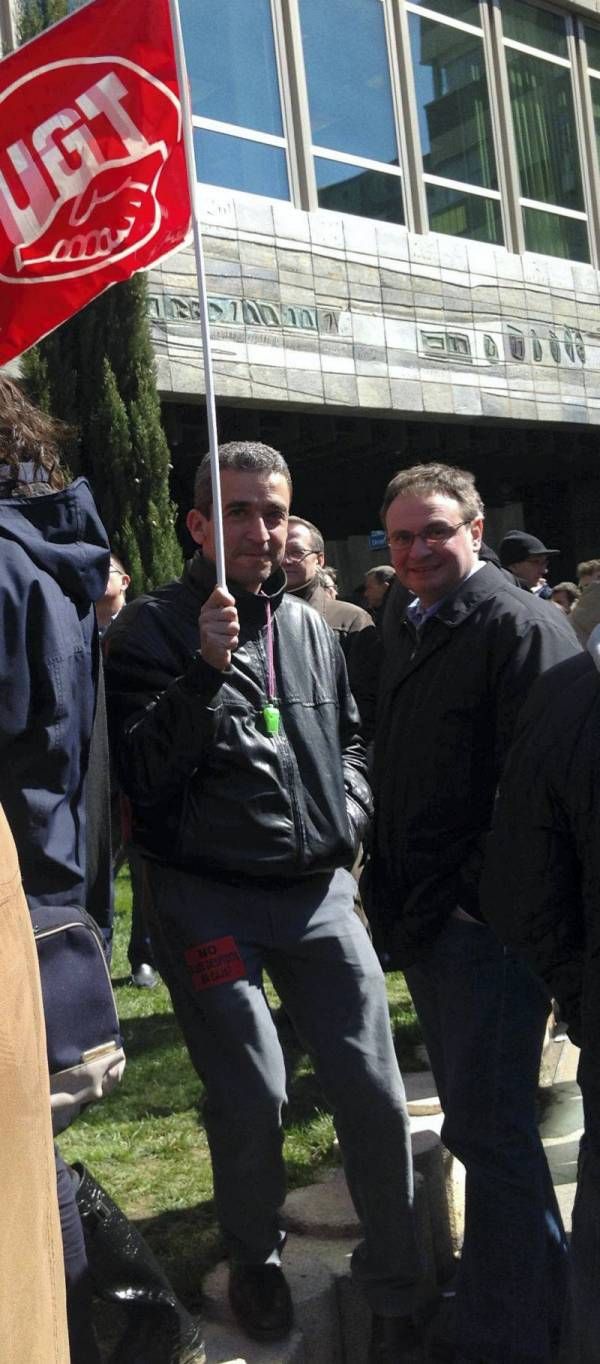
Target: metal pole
8	36
192	177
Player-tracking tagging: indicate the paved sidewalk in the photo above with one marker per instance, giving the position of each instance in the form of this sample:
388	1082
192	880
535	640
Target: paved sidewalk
561	1123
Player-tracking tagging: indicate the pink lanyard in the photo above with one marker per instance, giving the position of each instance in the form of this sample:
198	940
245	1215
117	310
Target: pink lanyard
271	714
270	659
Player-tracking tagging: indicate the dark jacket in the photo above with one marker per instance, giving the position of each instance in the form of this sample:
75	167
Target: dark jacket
541	883
54	561
211	790
356	634
449	700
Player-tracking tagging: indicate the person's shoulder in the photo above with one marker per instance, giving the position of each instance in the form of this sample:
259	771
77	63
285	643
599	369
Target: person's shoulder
347	616
294	611
525	609
141	618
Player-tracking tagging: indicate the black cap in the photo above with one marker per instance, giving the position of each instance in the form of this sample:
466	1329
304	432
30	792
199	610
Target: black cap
517	545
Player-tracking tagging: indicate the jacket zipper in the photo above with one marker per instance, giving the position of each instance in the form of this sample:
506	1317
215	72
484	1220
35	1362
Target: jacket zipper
281	741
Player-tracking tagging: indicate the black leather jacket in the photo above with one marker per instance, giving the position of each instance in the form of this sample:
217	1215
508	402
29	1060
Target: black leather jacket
211	791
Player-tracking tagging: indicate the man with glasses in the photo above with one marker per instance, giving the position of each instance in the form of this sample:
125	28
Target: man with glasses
455	672
354	628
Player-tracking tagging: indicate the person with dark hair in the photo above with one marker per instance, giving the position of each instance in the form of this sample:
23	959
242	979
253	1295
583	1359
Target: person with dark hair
114	596
239	744
376	587
303	562
456	670
54	788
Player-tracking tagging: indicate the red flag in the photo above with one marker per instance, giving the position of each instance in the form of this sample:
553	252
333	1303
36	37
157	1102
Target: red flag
92	169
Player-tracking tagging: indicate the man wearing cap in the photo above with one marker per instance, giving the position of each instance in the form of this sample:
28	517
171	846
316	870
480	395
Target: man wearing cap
527	558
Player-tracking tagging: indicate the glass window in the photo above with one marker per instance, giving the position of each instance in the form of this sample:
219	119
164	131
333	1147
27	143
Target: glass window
230	53
347	72
553	235
545	130
351	189
592	38
467	10
536	27
455	128
453	103
238	163
464	215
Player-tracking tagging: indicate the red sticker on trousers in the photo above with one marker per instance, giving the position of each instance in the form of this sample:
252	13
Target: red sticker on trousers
214	963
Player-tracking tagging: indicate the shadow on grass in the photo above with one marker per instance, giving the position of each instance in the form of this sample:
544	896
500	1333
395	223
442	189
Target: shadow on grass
150	1032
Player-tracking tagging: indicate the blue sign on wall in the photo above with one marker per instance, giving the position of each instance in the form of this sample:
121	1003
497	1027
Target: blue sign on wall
377	539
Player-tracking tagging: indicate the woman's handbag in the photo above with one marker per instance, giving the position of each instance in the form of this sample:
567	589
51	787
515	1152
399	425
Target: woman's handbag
83	1037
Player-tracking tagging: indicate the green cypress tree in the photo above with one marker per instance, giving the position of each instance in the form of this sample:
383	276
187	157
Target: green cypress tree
97	373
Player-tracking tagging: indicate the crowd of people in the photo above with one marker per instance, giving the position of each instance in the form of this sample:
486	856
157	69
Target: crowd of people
269	739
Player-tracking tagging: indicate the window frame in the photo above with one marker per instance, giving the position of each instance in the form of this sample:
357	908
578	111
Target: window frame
284	141
313	150
300	150
406	8
571	64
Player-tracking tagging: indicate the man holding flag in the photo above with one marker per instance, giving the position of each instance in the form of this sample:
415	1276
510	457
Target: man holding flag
238	742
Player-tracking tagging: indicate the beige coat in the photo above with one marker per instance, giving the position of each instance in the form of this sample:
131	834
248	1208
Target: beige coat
33	1328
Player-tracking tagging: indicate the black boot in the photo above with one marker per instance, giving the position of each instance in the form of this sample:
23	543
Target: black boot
124	1270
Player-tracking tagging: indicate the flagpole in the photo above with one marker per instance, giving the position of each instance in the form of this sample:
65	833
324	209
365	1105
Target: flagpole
192	178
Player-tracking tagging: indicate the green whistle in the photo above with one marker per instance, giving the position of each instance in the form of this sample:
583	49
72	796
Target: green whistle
271	717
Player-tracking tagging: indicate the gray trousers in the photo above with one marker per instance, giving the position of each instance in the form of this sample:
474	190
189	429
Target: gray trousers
212	943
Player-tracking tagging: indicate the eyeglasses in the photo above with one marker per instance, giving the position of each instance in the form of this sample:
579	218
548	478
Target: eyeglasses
297	558
436	533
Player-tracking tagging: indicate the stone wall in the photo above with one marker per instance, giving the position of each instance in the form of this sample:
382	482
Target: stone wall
347	313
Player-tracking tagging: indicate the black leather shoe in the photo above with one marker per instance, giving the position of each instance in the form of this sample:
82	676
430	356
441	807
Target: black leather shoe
396	1340
261	1301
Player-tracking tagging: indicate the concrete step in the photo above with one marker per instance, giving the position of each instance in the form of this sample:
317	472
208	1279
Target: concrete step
332	1319
421	1094
226	1345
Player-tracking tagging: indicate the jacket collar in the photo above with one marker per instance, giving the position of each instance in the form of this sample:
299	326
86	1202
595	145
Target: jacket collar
200	574
469	594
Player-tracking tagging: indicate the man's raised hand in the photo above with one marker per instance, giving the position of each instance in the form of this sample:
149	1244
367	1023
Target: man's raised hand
219	629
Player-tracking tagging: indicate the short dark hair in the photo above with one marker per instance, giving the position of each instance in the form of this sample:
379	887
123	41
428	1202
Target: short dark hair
318	542
425	479
251	456
384	573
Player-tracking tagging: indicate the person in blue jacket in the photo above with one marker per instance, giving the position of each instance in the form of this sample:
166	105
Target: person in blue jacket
54	787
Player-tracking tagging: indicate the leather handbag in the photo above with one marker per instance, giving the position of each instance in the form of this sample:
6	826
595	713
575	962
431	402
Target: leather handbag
83	1037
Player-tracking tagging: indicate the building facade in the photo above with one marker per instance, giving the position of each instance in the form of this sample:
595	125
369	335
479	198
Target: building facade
400	205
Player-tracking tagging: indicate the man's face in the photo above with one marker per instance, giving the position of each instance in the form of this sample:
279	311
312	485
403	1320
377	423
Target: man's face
374	591
532	570
432	570
116	587
300	560
255	513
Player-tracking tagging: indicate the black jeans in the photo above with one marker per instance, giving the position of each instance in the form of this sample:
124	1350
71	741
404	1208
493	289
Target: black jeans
82	1340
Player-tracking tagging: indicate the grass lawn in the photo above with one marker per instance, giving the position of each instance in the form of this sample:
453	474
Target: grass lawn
146	1143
